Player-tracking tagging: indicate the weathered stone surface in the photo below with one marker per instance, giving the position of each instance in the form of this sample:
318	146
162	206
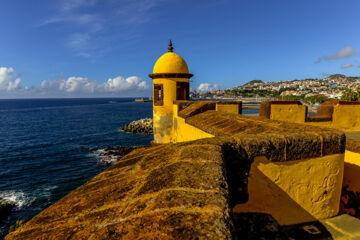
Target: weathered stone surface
184	190
18	224
159	192
353	141
346	224
277	140
196	108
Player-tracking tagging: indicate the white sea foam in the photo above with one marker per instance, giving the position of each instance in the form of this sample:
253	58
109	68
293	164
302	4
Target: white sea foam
103	158
109	159
94	154
49	188
45	191
18	198
100	151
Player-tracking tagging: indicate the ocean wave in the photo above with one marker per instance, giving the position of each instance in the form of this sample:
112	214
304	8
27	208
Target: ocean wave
46	191
102	156
95	154
112	154
17	198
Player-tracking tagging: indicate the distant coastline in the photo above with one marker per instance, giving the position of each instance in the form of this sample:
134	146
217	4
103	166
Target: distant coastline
143	100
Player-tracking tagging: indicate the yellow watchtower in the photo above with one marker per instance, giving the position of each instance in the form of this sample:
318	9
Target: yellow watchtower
170	82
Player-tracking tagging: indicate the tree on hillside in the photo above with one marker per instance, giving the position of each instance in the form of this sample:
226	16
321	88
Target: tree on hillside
349	95
317	99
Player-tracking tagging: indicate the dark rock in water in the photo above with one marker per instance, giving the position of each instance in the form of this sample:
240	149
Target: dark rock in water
142	126
5	208
18	224
111	155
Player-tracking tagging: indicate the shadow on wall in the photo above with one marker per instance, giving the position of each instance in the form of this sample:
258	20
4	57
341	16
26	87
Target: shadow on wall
267	197
255	226
258	216
350	196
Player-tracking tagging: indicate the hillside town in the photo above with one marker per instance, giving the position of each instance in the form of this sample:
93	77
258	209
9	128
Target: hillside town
331	87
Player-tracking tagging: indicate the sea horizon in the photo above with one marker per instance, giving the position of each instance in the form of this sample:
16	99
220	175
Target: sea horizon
51	146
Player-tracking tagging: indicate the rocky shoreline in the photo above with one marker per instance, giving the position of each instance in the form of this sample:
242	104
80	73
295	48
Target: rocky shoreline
5	208
142	126
111	155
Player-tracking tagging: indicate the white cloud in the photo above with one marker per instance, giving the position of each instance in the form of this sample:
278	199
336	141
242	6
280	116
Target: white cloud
71	85
347	65
53	85
9	80
343	53
92	31
67	5
79	40
120	84
205	87
79	84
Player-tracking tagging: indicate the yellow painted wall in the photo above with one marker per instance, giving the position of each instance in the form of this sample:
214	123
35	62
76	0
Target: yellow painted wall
295	191
183	132
345	118
228	108
352	171
163	115
288	113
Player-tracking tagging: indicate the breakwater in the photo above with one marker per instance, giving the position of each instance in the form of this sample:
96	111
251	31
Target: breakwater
142	126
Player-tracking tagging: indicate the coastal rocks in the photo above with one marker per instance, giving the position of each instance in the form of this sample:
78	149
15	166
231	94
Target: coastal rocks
5	208
142	126
111	155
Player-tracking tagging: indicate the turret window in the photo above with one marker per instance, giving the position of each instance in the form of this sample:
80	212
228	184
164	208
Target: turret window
158	95
182	91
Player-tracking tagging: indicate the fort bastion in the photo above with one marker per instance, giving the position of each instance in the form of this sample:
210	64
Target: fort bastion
214	173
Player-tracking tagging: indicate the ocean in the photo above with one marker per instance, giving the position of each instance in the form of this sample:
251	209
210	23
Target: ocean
49	147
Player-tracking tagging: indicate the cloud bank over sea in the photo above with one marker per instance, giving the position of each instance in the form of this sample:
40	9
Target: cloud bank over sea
11	86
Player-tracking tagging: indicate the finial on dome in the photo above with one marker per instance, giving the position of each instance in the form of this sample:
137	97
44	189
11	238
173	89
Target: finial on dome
170	48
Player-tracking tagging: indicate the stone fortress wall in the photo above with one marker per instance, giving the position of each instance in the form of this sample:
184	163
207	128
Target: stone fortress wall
213	173
324	174
341	115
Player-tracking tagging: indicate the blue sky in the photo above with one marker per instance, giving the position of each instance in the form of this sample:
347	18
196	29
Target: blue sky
82	48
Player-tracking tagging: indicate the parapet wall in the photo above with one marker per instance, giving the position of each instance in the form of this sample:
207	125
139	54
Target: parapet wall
182	131
153	193
195	188
341	115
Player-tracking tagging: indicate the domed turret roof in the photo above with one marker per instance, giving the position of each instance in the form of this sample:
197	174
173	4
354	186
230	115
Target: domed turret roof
170	62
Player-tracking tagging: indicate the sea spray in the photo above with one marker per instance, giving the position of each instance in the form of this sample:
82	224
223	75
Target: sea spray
111	155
